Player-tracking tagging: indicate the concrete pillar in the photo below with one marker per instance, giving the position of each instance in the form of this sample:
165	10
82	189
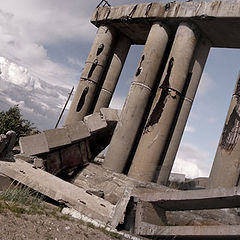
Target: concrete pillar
195	73
151	146
114	71
137	100
226	166
96	63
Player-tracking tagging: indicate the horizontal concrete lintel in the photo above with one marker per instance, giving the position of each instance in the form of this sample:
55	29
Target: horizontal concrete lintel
218	20
219	231
195	199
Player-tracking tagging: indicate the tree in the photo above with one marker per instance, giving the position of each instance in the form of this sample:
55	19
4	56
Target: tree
12	120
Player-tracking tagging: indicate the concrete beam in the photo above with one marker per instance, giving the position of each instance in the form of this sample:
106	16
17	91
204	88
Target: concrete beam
61	191
194	199
218	20
192	232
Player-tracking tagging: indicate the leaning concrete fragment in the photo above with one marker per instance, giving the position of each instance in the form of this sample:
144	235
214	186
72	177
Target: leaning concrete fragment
11	140
59	190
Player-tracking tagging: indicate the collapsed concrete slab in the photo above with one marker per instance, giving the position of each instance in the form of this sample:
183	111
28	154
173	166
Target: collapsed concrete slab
55	188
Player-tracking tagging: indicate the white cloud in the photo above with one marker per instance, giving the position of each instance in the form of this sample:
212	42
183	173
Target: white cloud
206	84
192	161
189	129
29	28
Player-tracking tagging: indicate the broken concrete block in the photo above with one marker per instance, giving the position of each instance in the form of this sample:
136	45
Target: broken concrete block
34	144
95	122
11	140
5	182
57	137
77	131
111	114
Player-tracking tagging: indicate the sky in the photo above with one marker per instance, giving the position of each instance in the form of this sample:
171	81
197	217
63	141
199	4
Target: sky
52	39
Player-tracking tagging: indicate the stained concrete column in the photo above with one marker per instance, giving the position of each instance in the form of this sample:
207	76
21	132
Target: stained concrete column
226	166
120	53
151	146
195	73
133	111
95	65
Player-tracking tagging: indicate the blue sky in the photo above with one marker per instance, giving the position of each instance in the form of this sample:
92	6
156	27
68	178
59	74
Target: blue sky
53	38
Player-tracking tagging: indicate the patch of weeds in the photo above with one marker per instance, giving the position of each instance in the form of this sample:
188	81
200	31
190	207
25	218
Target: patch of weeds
20	200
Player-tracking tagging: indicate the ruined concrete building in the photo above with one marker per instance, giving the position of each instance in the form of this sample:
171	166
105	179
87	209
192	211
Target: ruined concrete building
128	189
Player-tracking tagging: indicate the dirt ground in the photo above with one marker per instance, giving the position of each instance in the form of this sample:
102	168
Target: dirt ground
47	223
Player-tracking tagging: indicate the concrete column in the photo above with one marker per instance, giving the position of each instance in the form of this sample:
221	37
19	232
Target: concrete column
137	100
95	65
226	166
151	146
114	71
195	73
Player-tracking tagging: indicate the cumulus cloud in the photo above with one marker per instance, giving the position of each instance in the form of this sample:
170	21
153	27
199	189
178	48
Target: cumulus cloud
40	102
192	161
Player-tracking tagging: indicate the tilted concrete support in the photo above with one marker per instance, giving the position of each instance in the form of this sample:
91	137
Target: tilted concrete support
95	65
195	73
114	71
151	146
225	170
136	103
